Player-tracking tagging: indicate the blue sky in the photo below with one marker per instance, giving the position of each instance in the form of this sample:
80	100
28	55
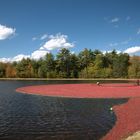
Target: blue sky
31	28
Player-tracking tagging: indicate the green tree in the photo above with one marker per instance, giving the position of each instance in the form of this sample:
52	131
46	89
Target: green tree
74	66
134	68
86	58
35	67
63	63
42	70
120	65
24	68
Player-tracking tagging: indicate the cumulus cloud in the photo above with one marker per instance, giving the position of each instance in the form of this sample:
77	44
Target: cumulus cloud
17	58
38	54
114	20
6	32
57	41
132	50
5	60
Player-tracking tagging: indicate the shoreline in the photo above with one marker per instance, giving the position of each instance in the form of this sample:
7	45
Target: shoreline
70	79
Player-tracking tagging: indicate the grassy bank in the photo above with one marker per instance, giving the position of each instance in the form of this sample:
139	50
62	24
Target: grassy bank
95	79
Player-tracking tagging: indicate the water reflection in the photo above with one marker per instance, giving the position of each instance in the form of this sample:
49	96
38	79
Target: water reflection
24	116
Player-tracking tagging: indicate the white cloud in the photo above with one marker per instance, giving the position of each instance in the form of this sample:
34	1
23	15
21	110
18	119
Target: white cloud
132	50
114	20
40	37
38	54
34	38
138	32
5	60
19	57
109	51
57	42
43	37
113	44
6	32
41	48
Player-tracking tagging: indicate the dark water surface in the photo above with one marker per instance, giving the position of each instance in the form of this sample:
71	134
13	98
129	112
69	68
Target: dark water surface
34	117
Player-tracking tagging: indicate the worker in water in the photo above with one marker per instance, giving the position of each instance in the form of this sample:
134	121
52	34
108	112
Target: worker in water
98	83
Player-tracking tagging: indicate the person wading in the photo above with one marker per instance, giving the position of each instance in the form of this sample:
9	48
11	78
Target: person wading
98	83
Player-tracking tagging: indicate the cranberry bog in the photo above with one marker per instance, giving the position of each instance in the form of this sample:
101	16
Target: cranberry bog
127	114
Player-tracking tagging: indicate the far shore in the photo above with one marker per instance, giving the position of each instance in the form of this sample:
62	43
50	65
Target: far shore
78	79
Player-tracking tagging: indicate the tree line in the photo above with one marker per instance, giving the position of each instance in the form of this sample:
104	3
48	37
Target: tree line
86	64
